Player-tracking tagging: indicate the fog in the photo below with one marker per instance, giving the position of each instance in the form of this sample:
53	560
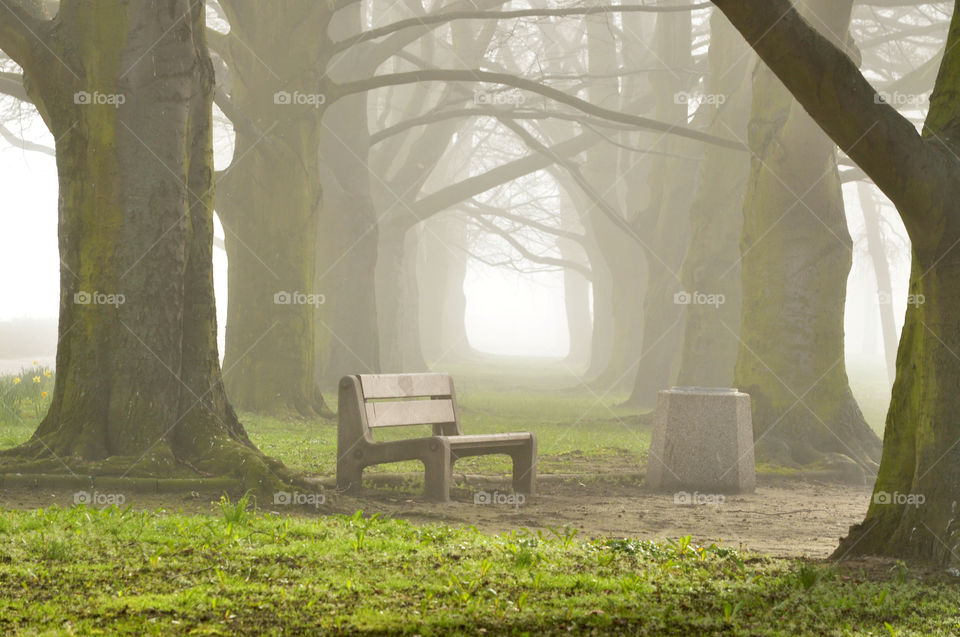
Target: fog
508	313
570	318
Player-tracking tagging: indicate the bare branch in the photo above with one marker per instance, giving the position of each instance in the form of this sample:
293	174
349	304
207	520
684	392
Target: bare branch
12	84
448	16
571	167
439	116
475	208
489	226
16	140
831	88
476	75
462	190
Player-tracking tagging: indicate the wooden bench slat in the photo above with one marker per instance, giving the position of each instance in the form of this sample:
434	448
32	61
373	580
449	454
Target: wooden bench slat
409	412
482	440
404	385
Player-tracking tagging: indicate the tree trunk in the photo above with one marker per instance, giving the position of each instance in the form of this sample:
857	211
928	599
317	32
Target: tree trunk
601	337
881	268
348	245
138	388
442	268
576	301
914	509
410	348
671	197
269	203
392	302
796	259
913	512
620	252
712	264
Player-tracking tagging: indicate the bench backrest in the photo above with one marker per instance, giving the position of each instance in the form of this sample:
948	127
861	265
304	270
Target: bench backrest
397	400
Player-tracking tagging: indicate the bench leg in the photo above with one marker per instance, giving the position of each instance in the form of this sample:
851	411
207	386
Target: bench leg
438	472
525	468
349	477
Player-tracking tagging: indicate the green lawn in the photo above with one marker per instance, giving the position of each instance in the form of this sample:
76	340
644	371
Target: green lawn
112	571
579	430
85	571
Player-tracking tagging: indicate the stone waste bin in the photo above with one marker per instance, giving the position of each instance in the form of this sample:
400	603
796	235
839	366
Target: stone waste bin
702	441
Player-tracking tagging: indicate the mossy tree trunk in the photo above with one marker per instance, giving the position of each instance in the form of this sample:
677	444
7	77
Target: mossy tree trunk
712	264
796	259
126	89
269	201
920	174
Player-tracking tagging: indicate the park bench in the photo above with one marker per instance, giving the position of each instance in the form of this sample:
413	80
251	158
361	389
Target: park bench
371	401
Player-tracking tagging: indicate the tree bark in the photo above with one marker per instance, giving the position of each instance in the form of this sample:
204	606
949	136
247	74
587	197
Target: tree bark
620	252
269	201
670	198
712	264
127	89
347	257
921	457
796	259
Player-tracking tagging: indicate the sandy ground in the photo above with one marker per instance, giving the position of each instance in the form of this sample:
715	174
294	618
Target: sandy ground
782	518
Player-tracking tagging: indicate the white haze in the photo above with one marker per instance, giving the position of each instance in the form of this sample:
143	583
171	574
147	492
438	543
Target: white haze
507	313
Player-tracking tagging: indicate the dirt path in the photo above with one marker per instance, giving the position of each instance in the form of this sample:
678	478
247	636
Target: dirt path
783	518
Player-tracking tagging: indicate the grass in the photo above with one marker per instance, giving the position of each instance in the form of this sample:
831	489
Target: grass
24	399
83	570
871	388
578	431
574	434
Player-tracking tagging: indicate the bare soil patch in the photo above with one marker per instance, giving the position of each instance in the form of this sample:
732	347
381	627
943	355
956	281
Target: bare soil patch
788	518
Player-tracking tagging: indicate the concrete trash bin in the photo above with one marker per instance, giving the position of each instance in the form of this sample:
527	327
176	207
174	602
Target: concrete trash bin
702	440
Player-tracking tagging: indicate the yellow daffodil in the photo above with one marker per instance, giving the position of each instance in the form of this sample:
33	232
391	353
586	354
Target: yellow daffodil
46	373
44	394
36	379
16	381
35	363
